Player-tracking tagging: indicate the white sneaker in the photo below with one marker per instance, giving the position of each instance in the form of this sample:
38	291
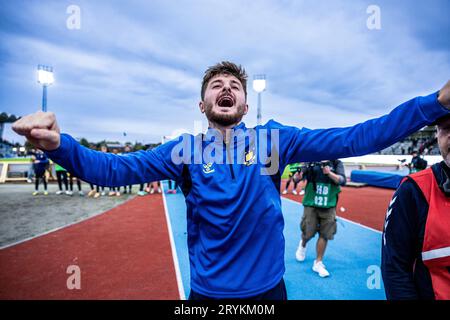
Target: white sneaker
159	190
285	192
69	193
300	254
302	192
59	192
294	192
152	191
319	267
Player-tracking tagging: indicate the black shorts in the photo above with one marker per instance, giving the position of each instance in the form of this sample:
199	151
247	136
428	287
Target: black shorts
276	293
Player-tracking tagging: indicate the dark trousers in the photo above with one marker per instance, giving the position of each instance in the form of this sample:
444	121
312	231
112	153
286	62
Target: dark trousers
276	293
40	175
71	183
62	177
170	185
289	182
97	188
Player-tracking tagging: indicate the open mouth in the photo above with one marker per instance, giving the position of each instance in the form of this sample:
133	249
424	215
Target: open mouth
225	101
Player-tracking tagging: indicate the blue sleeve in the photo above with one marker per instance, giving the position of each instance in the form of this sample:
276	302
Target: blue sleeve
110	170
400	242
302	145
340	170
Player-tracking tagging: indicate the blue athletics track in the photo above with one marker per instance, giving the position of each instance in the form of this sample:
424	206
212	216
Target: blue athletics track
138	250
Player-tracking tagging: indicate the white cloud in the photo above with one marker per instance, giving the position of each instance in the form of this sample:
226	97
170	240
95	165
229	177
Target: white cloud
141	62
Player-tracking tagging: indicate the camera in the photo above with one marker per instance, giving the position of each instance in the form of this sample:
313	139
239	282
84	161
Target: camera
321	164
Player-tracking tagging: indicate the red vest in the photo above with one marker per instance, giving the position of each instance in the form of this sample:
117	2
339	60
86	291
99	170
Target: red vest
436	242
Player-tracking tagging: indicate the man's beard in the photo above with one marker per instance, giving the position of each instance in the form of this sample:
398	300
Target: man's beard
226	119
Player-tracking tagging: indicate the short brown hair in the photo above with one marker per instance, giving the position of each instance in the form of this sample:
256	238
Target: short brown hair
225	67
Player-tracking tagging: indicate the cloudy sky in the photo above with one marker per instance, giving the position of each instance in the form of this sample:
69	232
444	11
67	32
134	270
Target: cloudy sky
136	66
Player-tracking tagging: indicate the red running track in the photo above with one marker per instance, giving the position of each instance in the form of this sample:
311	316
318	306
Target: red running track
123	253
365	205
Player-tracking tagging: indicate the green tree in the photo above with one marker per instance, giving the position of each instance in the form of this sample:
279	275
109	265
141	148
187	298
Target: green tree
85	143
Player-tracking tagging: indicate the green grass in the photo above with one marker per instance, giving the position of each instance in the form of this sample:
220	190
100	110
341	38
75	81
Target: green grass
24	160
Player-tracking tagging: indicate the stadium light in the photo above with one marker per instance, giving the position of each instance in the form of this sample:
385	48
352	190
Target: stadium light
46	78
259	85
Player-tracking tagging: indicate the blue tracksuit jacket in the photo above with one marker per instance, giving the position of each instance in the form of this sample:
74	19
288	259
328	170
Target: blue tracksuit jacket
235	223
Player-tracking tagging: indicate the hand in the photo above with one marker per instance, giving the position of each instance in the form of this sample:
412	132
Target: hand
326	170
40	129
444	95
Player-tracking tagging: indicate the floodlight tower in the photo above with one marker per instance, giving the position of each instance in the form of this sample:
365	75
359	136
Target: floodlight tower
259	85
45	77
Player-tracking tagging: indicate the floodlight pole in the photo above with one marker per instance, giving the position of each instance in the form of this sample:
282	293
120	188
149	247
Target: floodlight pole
45	77
259	116
259	85
44	98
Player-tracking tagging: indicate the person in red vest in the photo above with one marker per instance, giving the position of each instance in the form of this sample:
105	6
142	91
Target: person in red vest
416	239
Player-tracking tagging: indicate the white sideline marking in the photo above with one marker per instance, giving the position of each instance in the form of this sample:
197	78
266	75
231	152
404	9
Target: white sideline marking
350	221
172	245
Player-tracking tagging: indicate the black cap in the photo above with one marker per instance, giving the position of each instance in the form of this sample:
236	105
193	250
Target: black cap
435	123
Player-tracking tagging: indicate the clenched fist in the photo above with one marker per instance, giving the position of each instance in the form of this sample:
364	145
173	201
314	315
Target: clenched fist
444	95
40	129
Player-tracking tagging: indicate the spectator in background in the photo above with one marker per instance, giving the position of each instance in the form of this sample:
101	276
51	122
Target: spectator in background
80	192
40	164
416	239
152	186
293	169
417	163
319	215
127	149
30	173
112	190
141	191
175	186
61	176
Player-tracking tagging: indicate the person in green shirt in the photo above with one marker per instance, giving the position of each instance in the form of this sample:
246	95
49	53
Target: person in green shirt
321	196
61	176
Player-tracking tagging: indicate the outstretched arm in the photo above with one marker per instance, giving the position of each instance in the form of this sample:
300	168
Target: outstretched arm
99	168
302	145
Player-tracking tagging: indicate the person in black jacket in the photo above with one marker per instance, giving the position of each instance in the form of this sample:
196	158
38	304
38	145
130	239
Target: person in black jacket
404	272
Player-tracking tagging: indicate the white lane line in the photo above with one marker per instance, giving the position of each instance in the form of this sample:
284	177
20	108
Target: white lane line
350	221
174	251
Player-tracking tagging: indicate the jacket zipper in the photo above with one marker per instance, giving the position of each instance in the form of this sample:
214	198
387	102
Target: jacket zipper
230	164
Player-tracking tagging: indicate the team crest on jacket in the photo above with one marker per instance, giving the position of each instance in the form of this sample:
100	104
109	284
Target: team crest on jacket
249	158
208	168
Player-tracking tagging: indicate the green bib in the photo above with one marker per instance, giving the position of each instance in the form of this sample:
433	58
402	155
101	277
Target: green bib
293	167
59	168
325	195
